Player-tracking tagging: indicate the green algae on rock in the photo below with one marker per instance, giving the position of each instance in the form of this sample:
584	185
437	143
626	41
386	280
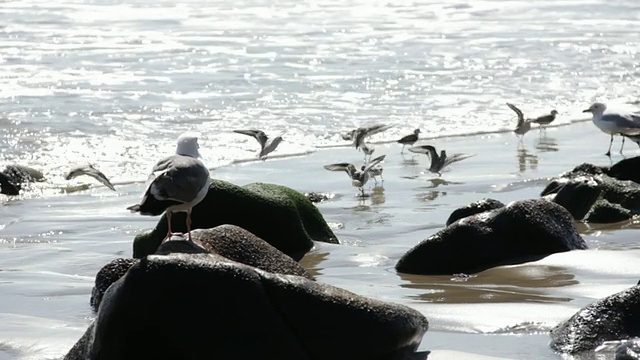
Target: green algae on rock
281	216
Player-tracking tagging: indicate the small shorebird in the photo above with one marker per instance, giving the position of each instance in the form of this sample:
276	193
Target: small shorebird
523	125
545	120
358	177
89	170
438	162
178	183
348	136
368	151
409	139
267	145
614	123
361	133
375	170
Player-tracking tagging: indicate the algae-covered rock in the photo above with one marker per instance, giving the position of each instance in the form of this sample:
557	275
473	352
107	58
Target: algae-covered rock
281	216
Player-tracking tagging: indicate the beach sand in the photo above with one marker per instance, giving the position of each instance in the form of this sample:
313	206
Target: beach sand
505	312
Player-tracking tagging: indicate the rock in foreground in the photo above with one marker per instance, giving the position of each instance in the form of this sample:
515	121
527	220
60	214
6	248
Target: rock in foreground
522	231
203	306
229	241
616	317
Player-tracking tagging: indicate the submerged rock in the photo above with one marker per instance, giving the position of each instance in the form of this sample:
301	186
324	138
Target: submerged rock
598	194
281	216
616	317
520	232
474	208
203	306
229	241
14	177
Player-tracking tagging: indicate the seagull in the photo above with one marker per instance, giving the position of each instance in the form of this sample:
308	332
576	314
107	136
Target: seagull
545	119
614	123
178	183
89	170
361	133
409	139
438	162
358	177
523	125
267	145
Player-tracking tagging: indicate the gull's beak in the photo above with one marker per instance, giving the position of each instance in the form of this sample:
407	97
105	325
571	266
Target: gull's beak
587	110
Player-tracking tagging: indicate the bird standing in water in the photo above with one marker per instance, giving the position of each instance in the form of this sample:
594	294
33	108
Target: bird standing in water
409	139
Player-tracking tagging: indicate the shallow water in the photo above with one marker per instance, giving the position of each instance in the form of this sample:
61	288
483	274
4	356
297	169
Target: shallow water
114	84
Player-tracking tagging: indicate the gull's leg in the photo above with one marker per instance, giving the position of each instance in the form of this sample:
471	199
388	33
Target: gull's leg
610	143
169	232
189	224
622	146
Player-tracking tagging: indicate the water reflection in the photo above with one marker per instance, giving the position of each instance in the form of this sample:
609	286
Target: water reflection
546	143
377	195
311	262
526	283
524	158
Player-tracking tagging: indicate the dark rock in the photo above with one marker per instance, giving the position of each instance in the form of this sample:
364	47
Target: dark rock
578	196
474	208
316	197
589	194
229	241
109	274
238	244
14	177
616	317
519	232
203	306
604	212
281	216
626	169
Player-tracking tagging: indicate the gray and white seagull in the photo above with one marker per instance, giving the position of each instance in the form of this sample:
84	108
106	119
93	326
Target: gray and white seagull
177	183
267	144
359	177
614	123
438	163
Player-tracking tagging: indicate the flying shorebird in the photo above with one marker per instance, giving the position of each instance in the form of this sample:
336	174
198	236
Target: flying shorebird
438	162
545	119
361	133
348	136
358	177
615	123
178	183
89	170
409	139
523	125
267	145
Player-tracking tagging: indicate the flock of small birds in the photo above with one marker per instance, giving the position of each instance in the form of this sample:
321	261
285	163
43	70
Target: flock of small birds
181	181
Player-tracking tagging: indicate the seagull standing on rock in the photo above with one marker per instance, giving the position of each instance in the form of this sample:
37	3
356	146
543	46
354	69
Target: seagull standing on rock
178	183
